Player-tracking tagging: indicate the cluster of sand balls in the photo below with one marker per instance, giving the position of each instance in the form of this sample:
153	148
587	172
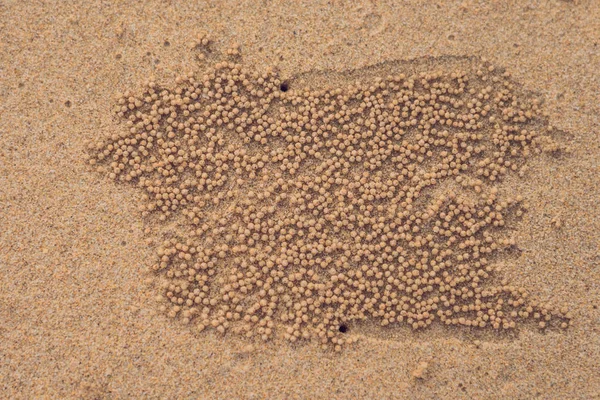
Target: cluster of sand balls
300	211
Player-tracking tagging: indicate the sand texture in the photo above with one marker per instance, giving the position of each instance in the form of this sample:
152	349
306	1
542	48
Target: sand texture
243	249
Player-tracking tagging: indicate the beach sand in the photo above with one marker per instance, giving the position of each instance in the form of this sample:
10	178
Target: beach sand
77	314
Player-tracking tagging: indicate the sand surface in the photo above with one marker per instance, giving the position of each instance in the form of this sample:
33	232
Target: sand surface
77	318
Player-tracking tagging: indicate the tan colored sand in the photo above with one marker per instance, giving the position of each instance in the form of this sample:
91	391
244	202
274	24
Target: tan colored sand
75	320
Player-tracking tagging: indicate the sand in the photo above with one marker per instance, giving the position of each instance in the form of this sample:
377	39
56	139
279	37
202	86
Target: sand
77	318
